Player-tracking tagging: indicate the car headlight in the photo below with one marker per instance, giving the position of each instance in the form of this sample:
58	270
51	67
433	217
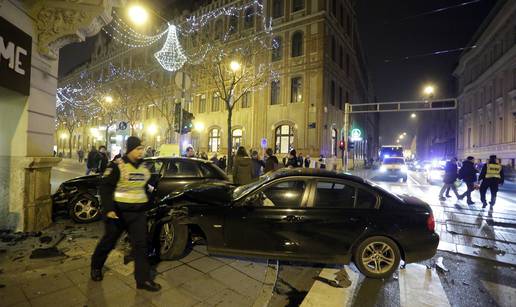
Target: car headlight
383	169
436	175
404	168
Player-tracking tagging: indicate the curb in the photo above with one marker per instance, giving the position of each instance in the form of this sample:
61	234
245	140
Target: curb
271	276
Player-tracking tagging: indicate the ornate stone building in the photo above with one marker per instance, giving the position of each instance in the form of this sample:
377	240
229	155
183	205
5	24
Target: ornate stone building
31	33
487	89
321	66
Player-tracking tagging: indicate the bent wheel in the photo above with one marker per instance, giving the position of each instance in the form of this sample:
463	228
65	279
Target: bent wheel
173	238
84	208
377	257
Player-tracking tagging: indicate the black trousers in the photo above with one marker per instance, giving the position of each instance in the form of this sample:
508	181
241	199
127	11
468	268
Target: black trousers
471	188
136	225
492	185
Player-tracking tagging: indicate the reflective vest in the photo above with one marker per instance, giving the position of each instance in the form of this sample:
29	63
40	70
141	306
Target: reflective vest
493	171
130	188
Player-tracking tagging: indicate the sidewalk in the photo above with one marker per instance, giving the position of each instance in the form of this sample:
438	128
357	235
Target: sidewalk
62	275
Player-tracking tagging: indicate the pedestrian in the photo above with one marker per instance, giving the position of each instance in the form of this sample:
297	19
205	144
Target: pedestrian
80	155
148	152
223	162
124	199
292	159
103	159
491	176
92	162
322	162
214	159
117	156
204	156
307	161
242	169
271	161
300	160
190	152
257	165
450	175
468	174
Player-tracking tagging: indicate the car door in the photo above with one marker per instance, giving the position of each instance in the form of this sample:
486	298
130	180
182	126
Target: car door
177	174
266	221
336	215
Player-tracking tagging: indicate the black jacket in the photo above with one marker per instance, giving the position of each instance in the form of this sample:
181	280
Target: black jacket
93	159
271	163
294	162
468	172
450	172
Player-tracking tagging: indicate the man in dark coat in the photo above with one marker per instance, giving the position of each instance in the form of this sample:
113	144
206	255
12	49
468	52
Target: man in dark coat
492	176
468	174
271	162
450	175
93	161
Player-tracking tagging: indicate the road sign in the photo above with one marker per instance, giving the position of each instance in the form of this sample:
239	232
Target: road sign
122	125
356	135
264	143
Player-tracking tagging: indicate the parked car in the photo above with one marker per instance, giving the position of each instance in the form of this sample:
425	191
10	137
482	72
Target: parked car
80	196
394	167
299	214
435	174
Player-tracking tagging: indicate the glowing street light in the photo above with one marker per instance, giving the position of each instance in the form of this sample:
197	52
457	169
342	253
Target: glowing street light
429	90
235	66
108	99
138	14
413	115
398	141
152	129
64	136
401	137
199	127
404	133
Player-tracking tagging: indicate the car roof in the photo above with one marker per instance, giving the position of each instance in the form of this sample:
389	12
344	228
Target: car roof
314	172
177	158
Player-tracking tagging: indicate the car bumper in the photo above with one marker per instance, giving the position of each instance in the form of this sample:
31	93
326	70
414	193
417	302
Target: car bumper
426	249
394	174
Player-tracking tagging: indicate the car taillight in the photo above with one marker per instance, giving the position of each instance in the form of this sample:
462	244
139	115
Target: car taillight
430	222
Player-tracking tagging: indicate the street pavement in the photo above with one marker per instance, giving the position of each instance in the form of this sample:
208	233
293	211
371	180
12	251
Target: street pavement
477	248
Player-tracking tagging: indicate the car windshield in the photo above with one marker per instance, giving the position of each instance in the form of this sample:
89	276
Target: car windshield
244	189
393	161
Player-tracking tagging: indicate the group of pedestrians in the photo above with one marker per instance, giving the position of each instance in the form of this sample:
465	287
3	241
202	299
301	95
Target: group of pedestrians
97	160
491	177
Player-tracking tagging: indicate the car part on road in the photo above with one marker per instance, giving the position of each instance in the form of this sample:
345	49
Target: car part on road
84	208
377	257
173	238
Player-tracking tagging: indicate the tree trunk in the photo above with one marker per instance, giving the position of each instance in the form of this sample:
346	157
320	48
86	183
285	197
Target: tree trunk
70	145
230	141
107	135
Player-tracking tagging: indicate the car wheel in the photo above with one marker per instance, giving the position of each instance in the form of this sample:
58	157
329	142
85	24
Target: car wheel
405	179
84	208
173	238
377	257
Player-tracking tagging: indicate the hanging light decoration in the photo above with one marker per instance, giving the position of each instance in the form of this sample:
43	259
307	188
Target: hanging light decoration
171	56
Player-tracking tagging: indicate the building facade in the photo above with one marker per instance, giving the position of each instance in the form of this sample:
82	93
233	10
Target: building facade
320	64
486	78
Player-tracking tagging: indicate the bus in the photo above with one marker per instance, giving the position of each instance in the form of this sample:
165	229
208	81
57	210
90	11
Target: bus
389	151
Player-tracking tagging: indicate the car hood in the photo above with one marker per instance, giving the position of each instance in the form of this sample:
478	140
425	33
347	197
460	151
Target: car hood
82	179
415	203
205	192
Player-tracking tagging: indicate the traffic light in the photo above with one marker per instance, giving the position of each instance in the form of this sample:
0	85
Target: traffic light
351	145
341	145
186	123
177	117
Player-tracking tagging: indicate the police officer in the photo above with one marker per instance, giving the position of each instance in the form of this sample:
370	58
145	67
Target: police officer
124	199
491	176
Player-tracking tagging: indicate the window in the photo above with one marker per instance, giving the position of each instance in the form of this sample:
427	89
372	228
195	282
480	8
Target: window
246	100
275	92
333	49
296	90
209	172
330	194
249	18
341	57
348	25
154	167
277	8
286	194
334	7
334	141
215	103
214	140
202	104
237	138
297	44
233	24
182	169
277	49
284	140
366	200
347	65
298	5
340	97
332	93
341	17
347	97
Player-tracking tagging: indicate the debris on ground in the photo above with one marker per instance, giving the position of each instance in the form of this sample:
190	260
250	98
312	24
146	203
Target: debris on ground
440	265
342	278
47	252
45	239
465	283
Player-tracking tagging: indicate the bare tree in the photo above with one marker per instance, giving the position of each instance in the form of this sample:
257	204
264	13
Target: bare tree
160	97
109	109
131	101
69	117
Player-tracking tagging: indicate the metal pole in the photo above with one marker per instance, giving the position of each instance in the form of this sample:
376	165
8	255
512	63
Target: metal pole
181	111
346	134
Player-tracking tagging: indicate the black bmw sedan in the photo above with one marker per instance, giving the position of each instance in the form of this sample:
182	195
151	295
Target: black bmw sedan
300	214
79	196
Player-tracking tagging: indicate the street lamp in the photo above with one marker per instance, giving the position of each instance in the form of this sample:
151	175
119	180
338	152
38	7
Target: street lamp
429	91
404	133
398	141
152	130
413	115
108	99
401	137
235	66
199	127
137	14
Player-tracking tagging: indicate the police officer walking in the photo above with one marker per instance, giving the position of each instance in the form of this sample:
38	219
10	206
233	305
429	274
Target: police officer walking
491	176
124	199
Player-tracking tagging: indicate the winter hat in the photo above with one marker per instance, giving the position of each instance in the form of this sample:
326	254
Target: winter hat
131	143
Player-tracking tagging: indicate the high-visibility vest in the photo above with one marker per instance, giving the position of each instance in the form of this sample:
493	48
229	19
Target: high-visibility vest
130	188
493	170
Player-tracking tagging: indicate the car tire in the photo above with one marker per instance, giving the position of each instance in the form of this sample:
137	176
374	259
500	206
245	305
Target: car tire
172	238
369	258
84	208
405	179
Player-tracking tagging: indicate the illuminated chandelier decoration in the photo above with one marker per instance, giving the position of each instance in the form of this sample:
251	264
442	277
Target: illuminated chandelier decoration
171	56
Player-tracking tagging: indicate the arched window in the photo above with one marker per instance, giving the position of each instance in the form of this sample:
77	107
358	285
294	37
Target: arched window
284	139
214	140
237	138
298	5
249	17
277	48
297	44
334	141
277	8
218	29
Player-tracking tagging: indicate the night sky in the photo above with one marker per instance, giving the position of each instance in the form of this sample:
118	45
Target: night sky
389	31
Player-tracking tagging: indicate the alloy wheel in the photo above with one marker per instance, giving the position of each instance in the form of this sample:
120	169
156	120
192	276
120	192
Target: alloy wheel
166	237
378	257
85	209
